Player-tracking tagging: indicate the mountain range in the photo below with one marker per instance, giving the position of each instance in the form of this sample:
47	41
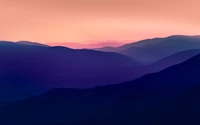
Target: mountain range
29	69
151	50
131	102
157	84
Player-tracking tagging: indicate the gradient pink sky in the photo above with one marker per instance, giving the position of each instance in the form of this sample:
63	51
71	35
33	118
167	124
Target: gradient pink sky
94	23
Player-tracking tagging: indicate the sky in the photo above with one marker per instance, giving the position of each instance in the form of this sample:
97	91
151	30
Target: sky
96	23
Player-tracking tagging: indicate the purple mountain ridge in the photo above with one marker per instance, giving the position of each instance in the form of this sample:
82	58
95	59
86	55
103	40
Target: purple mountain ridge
151	50
132	73
30	69
76	67
113	104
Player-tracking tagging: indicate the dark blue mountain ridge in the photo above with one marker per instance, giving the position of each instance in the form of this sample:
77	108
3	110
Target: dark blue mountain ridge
183	109
29	70
106	102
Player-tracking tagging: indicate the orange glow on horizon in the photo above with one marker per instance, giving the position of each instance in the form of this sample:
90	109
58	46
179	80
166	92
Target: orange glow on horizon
89	23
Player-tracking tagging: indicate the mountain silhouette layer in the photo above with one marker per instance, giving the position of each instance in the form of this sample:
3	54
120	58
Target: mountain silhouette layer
36	62
31	43
182	109
26	69
131	73
131	102
151	50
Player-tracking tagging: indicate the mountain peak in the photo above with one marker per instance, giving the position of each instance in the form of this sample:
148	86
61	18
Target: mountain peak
31	43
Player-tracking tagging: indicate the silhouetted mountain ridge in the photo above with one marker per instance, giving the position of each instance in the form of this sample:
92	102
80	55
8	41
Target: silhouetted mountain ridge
31	43
151	50
103	104
26	69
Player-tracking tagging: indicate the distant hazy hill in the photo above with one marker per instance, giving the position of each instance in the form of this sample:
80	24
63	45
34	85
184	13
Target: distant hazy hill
131	73
151	50
107	49
31	43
